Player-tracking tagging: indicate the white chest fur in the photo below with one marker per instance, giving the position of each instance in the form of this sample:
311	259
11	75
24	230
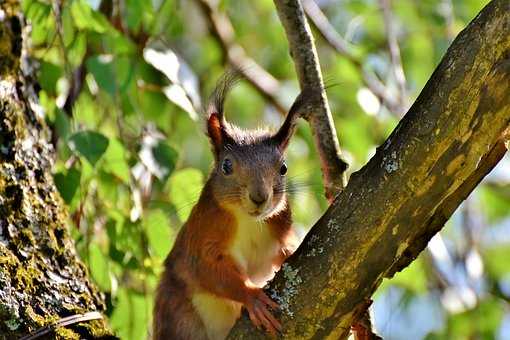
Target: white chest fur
255	248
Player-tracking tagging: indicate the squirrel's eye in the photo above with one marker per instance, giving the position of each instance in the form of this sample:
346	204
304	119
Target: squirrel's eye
283	169
226	166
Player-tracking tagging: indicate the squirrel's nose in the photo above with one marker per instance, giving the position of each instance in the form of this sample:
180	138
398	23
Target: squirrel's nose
258	198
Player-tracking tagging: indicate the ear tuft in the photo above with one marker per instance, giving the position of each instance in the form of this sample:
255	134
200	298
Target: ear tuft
217	127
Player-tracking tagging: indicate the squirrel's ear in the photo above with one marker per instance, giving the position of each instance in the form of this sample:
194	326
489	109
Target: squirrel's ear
216	131
282	137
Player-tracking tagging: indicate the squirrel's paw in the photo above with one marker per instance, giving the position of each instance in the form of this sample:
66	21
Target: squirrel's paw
259	313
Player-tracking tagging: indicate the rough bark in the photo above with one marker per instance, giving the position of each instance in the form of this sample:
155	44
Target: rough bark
303	52
451	137
41	278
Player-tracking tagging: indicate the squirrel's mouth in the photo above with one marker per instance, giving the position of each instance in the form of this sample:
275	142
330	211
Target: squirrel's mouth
255	213
262	213
259	213
265	211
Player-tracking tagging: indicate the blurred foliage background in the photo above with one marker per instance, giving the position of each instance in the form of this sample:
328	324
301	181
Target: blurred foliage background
121	85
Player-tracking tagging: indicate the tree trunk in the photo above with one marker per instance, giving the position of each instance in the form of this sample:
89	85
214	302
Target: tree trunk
453	135
41	278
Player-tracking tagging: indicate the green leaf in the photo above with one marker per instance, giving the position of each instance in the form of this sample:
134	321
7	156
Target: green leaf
136	10
68	183
68	30
43	23
413	278
87	19
497	260
166	157
131	315
495	203
101	68
115	160
76	51
108	188
479	323
48	76
86	110
159	232
116	43
37	12
184	187
62	124
99	267
89	144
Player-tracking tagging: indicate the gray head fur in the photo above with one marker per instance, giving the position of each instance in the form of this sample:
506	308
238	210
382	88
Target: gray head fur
249	170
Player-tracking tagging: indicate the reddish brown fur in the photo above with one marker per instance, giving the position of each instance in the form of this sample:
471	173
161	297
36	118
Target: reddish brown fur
198	261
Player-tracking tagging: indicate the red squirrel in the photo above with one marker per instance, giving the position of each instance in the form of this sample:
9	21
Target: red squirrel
236	237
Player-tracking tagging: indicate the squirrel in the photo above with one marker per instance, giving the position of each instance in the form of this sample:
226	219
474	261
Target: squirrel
237	235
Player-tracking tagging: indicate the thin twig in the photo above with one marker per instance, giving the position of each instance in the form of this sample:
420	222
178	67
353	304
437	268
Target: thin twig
69	320
222	30
304	54
396	61
335	40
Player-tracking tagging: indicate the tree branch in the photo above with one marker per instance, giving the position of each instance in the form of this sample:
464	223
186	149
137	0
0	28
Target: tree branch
452	136
222	30
335	40
304	54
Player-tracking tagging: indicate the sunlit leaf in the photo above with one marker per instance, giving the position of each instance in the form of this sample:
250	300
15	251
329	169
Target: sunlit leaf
178	96
131	315
136	11
158	232
413	278
68	30
77	49
497	260
85	18
185	186
36	11
108	187
115	160
99	267
184	89
158	156
496	203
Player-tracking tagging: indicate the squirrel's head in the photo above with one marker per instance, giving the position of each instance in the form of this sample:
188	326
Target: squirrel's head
249	169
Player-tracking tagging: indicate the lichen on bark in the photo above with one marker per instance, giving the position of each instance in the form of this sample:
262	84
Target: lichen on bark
41	278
